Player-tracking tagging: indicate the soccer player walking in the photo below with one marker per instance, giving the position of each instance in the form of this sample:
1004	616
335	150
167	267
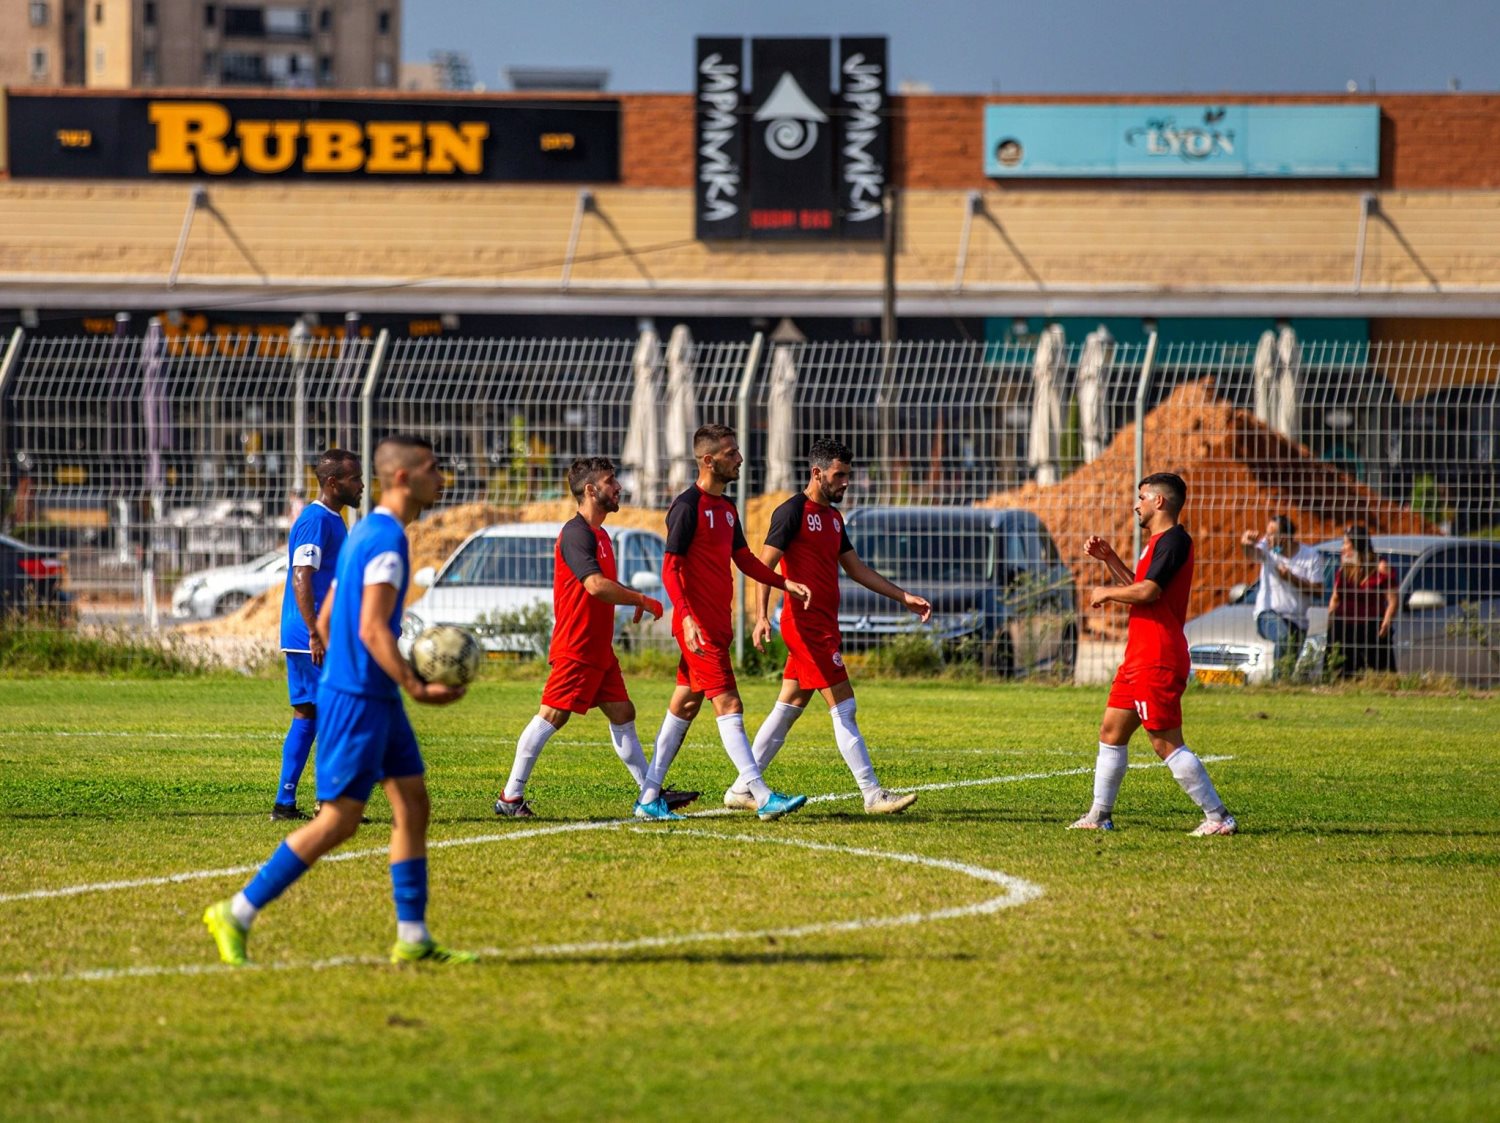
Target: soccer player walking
365	737
808	539
585	670
704	534
313	547
1148	687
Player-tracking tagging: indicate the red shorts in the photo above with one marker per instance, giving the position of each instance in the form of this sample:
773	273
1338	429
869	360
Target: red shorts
579	687
710	674
814	662
1154	693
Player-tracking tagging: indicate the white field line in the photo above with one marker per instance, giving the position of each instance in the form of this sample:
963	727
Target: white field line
1016	891
533	832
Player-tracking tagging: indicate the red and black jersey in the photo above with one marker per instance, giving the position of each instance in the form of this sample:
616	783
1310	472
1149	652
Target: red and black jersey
705	532
811	538
1155	637
584	627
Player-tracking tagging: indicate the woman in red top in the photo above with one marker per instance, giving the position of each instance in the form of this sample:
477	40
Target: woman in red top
1362	609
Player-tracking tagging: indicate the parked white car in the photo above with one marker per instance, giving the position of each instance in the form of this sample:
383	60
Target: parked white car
213	592
504	569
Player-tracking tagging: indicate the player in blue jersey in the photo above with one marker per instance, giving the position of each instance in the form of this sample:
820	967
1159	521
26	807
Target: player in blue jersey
313	548
364	735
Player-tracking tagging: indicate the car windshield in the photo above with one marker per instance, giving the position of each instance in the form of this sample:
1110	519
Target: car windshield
926	551
502	561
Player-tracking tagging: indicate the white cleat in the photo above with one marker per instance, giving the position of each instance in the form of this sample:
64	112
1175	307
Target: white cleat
882	802
1226	825
1091	823
740	801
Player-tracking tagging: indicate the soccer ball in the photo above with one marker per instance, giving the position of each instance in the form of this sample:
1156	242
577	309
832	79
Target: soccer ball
447	654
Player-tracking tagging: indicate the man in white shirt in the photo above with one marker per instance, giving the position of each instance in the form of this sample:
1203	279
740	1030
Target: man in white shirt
1290	575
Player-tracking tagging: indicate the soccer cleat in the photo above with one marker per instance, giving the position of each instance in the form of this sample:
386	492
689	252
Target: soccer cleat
779	805
227	933
657	809
288	813
739	801
1226	825
882	802
676	799
429	951
1089	823
514	809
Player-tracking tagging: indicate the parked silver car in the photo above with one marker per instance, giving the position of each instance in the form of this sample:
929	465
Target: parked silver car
1448	622
213	592
503	569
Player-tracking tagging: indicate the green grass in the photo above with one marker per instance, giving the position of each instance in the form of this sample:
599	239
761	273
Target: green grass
1338	959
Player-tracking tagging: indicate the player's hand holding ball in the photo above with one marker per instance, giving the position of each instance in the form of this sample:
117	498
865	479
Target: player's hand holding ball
446	659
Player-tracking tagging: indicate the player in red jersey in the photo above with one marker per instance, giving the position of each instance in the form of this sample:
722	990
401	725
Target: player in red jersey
1148	687
808	539
585	672
704	534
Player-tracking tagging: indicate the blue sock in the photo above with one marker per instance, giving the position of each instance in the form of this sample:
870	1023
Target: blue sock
409	888
294	750
275	877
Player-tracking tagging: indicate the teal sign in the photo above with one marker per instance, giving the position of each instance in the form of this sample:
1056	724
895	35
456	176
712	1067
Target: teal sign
1182	141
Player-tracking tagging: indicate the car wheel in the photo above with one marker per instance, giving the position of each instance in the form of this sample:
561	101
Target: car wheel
229	602
1066	666
1000	656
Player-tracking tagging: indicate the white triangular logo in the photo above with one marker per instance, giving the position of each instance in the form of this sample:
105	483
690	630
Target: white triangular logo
788	100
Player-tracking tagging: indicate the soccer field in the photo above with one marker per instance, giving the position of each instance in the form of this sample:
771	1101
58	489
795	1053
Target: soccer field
1340	958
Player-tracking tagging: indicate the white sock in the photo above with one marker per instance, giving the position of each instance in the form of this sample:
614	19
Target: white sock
628	748
528	748
737	745
1109	770
772	734
412	931
1193	777
244	912
852	745
668	741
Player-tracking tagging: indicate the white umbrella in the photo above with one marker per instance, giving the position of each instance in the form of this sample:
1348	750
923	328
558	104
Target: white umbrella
157	411
682	410
1288	413
640	459
781	470
1046	404
1264	376
1092	420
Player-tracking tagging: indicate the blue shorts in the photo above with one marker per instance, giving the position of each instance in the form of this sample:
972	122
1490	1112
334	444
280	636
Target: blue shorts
362	741
301	678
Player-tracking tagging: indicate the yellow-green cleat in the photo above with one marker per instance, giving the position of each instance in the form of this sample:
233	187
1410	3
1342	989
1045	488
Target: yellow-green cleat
429	951
227	933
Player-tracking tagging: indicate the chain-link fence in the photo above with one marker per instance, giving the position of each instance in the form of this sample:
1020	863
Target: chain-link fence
171	455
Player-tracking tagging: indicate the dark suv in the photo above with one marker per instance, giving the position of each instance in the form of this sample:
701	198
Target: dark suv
997	584
31	579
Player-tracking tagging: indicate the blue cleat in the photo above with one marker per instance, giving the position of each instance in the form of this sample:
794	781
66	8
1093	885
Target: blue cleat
779	805
657	809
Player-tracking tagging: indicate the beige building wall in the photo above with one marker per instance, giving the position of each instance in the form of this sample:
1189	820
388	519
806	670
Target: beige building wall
38	41
493	237
109	44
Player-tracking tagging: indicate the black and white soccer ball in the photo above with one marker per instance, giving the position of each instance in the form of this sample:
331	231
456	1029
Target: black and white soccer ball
447	654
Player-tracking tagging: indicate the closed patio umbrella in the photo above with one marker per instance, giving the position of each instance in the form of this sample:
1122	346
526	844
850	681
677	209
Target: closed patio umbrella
682	411
781	457
640	459
1046	404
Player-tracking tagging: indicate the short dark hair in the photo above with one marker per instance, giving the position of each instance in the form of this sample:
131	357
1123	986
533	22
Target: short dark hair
332	463
1169	486
1284	524
825	450
710	435
587	470
396	450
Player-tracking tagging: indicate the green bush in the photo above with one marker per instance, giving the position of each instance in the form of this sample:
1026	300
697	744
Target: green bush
32	647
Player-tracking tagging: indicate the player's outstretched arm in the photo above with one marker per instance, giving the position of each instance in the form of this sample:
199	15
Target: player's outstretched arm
377	602
1100	550
858	571
612	592
1137	592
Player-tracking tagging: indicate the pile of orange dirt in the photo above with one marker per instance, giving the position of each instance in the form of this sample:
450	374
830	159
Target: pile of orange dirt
1238	473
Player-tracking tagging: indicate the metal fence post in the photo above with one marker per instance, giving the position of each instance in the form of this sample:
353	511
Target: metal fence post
367	417
12	352
1148	365
742	492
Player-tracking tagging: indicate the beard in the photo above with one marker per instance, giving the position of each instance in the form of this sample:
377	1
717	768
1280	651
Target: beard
610	503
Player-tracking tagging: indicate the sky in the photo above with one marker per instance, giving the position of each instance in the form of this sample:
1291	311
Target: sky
984	46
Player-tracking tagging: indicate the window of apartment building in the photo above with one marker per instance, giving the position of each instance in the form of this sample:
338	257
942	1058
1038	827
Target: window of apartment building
289	23
98	13
383	23
248	23
39	13
325	70
39	62
325	19
383	72
210	15
210	66
148	13
99	58
148	64
243	69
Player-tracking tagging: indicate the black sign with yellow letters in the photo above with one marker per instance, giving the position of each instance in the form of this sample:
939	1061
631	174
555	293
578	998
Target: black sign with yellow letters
133	137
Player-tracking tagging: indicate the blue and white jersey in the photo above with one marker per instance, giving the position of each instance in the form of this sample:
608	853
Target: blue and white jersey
316	538
375	554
